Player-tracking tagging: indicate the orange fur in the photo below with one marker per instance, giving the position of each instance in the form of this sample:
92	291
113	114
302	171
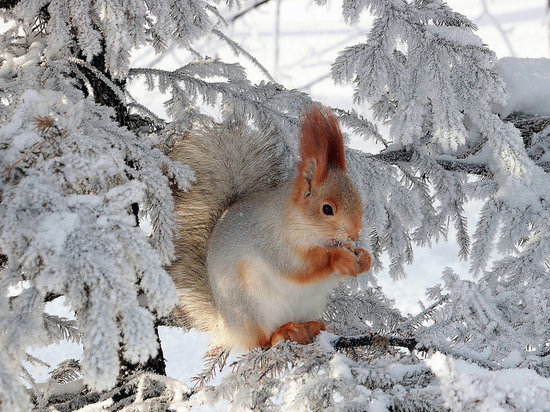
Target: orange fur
294	332
302	333
314	327
262	339
322	262
365	260
364	257
321	145
354	233
243	268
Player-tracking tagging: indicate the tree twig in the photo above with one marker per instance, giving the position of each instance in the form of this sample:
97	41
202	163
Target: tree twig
405	155
498	26
371	340
419	318
245	11
31	151
410	344
238	49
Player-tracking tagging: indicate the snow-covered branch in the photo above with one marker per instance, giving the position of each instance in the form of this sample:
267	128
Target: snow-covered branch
80	156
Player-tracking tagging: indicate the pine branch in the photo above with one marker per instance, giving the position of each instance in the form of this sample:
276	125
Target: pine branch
360	125
36	361
142	391
214	358
31	151
155	364
45	125
105	91
119	93
416	320
375	340
410	344
238	49
60	328
66	371
405	155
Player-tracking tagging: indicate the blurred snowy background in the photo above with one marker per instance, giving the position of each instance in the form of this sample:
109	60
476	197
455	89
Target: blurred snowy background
297	41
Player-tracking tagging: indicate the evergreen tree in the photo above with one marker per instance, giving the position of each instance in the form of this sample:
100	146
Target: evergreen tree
83	163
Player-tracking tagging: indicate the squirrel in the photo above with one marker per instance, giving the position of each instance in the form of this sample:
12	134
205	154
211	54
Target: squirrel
257	255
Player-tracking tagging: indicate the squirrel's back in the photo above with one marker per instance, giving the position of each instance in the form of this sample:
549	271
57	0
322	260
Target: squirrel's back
231	160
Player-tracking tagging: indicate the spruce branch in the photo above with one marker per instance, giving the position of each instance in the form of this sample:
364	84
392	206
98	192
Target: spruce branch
30	152
375	340
360	125
410	344
216	357
142	391
59	328
66	371
108	82
405	155
214	10
45	125
238	49
36	361
423	316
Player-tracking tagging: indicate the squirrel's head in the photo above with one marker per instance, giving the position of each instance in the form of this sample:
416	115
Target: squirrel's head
324	197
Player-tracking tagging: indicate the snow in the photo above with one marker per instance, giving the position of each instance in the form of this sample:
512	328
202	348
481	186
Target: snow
466	386
54	229
178	345
301	63
399	371
528	83
339	367
460	35
322	33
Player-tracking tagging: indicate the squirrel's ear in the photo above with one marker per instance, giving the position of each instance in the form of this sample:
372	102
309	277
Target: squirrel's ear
321	145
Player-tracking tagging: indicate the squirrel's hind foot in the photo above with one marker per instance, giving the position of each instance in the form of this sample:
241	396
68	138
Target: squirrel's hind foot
302	333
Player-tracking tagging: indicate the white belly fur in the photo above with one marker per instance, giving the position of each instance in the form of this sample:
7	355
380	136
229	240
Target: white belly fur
282	300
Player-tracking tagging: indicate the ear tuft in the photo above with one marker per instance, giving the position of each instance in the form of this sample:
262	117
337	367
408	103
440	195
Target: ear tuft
321	141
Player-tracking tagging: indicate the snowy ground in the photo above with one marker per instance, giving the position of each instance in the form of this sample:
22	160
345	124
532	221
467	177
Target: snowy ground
309	40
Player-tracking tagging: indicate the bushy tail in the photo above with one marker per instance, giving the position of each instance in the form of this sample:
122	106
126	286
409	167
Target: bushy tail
231	160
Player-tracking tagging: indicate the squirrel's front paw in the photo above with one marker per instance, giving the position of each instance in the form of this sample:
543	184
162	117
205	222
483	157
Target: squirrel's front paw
365	259
345	262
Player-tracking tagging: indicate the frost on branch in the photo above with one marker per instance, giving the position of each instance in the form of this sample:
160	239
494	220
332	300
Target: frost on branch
417	71
111	29
66	230
520	389
269	105
424	71
71	176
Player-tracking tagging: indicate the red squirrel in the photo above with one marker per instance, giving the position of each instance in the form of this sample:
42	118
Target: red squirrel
257	256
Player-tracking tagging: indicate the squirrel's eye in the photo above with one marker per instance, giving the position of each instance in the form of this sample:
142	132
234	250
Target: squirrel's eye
327	210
